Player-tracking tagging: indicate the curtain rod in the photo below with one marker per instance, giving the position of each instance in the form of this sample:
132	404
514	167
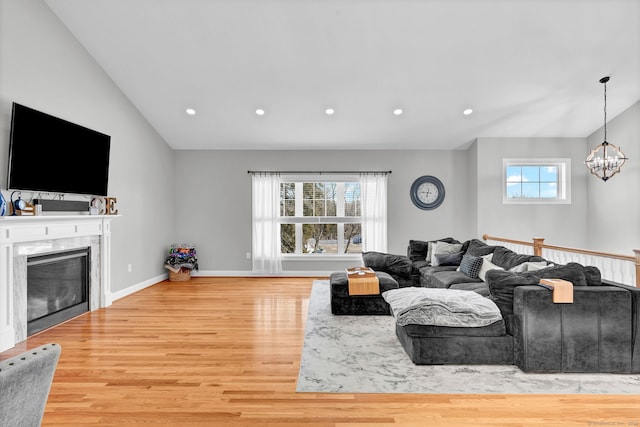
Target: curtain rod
317	172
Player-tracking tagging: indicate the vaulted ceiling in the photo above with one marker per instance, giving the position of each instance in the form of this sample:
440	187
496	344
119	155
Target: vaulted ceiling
527	68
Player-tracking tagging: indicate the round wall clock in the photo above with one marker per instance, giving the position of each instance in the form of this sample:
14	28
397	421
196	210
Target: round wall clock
427	192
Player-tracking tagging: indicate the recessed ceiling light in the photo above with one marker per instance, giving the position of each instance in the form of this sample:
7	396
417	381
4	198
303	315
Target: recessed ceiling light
190	111
329	111
398	111
467	111
260	112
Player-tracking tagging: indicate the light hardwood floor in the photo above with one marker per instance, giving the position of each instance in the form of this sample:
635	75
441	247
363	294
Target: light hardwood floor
226	352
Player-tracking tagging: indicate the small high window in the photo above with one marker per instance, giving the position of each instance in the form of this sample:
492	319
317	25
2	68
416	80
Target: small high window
536	181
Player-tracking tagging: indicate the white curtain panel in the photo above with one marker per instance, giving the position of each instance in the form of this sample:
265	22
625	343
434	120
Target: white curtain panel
266	231
374	212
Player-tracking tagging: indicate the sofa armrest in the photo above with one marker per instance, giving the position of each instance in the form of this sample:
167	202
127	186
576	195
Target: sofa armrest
399	265
593	334
635	312
25	382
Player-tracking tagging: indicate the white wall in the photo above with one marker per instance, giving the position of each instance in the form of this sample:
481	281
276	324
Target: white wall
44	67
213	197
562	224
614	206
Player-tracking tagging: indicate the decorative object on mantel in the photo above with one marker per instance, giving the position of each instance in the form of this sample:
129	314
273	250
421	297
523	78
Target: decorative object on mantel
3	205
103	206
606	159
21	207
181	260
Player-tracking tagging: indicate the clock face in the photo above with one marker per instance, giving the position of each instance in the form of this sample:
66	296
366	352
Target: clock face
427	192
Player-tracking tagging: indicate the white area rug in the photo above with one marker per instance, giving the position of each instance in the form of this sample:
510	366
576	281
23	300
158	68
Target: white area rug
361	354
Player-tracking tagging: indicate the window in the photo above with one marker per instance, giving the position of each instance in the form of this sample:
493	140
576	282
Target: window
320	217
529	181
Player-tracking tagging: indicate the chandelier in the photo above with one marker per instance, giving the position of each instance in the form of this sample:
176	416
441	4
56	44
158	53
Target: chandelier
606	159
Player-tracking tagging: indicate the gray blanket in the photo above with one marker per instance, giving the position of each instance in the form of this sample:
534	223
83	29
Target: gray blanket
441	307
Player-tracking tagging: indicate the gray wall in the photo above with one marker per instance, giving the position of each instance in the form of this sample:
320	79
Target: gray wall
43	66
213	197
613	206
562	224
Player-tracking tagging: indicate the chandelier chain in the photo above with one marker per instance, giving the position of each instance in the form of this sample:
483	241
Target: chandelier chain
605	110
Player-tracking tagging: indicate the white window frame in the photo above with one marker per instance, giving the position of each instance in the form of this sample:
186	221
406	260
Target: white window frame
564	181
339	220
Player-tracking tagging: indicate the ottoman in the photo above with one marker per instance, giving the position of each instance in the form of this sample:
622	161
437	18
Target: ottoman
345	304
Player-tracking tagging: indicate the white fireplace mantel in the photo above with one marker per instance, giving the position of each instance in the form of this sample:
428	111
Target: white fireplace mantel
19	231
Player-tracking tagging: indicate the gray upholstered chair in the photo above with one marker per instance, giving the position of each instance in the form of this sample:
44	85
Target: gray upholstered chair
25	381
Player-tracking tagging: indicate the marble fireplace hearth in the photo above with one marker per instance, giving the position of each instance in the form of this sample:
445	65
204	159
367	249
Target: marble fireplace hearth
21	237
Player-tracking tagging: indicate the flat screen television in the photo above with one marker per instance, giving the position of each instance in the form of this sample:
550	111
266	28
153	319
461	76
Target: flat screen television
52	155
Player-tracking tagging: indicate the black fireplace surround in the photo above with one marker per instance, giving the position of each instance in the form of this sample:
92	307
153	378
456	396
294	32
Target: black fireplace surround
57	287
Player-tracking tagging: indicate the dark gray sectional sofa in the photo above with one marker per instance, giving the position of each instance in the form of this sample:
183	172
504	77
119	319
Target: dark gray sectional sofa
598	332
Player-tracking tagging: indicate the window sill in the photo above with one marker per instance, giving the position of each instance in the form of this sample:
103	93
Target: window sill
322	257
536	202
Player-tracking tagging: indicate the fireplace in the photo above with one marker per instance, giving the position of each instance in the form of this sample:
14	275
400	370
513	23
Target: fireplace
22	238
57	287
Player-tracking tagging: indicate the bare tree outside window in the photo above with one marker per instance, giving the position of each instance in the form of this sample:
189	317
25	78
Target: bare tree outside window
320	217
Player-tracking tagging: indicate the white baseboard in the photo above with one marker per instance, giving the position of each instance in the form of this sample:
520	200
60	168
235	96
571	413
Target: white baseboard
138	287
217	273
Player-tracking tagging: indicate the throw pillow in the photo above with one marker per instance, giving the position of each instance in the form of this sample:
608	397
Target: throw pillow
432	243
529	266
418	250
449	259
486	266
388	263
470	265
440	247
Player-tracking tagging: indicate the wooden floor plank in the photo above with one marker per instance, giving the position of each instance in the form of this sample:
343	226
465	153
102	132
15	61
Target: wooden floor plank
226	352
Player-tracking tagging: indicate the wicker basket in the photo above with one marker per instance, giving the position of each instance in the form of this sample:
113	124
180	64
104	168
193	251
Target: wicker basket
181	276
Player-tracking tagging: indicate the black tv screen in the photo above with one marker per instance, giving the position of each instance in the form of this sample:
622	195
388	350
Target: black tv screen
49	154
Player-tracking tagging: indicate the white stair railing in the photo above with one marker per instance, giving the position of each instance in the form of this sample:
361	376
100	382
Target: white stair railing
617	268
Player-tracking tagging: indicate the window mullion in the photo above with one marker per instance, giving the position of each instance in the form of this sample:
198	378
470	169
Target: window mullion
298	238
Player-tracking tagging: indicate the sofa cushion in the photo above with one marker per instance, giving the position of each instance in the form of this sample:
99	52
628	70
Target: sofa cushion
444	279
471	265
441	307
426	274
573	272
477	247
389	263
417	265
507	259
